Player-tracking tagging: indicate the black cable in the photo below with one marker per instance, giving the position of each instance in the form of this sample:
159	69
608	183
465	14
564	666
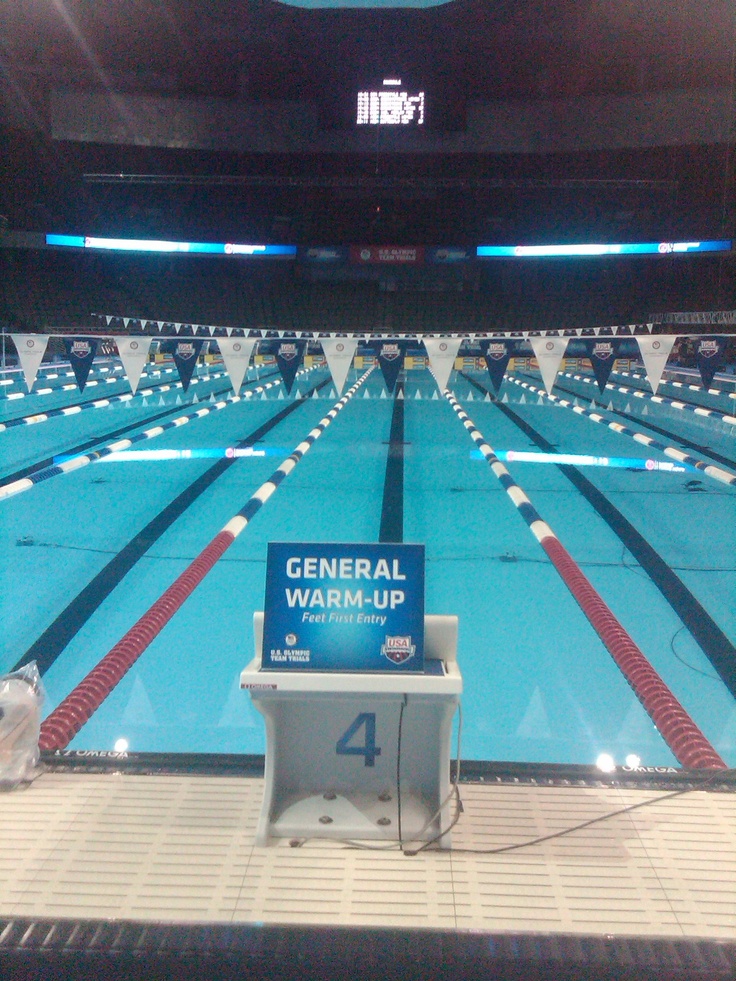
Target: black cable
403	705
718	774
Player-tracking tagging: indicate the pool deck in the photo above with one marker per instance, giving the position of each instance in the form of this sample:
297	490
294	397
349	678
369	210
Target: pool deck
100	861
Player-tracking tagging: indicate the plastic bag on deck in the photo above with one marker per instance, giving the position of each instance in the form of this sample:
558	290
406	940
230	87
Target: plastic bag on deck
21	697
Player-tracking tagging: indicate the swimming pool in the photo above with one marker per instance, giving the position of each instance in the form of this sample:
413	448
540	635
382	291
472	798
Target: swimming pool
86	553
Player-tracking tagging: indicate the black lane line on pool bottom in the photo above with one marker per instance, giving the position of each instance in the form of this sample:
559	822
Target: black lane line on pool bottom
59	633
646	424
113	434
705	631
392	507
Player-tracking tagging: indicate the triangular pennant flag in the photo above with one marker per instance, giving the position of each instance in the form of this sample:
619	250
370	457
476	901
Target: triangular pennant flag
549	352
185	354
139	710
133	353
602	355
535	722
709	356
289	356
31	349
390	356
236	352
81	352
126	321
442	352
339	352
497	355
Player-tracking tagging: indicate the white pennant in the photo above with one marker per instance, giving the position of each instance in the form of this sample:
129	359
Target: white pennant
126	321
236	352
108	318
442	352
548	351
31	349
655	350
133	353
339	352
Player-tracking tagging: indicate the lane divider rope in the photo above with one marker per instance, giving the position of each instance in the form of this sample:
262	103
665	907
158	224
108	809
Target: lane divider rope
71	714
73	410
717	473
25	483
688	744
639	393
676	384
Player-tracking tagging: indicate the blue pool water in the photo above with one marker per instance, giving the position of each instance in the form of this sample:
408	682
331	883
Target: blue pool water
539	684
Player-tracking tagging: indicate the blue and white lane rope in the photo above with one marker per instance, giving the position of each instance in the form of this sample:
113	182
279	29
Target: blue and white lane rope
91	382
676	384
25	483
717	473
638	393
72	410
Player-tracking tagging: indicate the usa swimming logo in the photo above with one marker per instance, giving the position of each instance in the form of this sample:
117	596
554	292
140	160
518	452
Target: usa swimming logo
708	349
602	350
390	352
398	648
496	351
288	352
81	349
185	350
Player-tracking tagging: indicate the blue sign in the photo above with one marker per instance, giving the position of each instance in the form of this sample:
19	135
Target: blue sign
344	607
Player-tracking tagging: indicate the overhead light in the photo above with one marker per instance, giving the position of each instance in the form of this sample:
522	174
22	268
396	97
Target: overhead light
606	763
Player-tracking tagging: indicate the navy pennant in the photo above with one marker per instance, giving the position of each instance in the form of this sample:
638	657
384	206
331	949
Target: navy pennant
81	352
602	354
390	356
185	354
709	352
289	356
497	355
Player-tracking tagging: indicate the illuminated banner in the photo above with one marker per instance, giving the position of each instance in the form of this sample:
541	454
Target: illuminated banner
289	356
81	352
391	105
158	245
593	250
31	349
401	254
185	354
709	356
344	607
390	356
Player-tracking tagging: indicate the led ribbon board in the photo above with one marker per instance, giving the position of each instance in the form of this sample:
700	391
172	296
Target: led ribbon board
632	248
156	245
344	607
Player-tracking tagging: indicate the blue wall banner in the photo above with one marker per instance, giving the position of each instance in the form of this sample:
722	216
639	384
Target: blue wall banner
344	607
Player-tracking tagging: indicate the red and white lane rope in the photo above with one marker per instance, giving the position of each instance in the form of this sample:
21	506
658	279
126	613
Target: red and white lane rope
68	718
682	735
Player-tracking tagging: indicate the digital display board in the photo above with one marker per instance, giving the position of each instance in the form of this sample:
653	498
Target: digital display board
156	245
393	104
634	248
